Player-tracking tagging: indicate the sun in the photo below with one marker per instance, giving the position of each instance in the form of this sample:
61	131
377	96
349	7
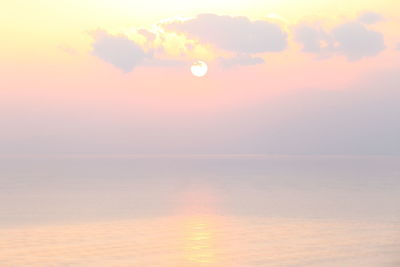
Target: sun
199	68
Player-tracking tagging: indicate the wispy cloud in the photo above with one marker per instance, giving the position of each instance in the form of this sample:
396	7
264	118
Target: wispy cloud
241	60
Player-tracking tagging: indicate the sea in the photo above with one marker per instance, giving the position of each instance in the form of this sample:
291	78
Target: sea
199	210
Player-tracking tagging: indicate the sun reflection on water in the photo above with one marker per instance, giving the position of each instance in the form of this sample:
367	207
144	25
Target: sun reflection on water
201	234
200	239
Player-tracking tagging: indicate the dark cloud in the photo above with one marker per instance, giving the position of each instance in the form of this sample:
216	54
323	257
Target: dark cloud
370	18
119	51
241	60
237	34
352	40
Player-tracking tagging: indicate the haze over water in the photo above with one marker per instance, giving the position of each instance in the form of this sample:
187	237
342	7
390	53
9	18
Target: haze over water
200	211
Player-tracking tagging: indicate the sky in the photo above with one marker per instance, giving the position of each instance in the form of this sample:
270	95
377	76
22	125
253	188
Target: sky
285	77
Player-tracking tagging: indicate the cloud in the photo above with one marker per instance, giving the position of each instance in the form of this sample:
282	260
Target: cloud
68	50
173	42
147	34
236	34
313	39
352	40
370	18
355	41
125	54
119	51
241	60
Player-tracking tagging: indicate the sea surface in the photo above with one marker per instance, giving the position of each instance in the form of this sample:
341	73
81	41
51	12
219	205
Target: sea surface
199	210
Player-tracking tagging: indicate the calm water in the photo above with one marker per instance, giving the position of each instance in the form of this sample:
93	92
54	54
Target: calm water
200	211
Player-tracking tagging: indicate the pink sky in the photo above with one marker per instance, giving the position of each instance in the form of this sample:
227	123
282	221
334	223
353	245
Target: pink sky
66	92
